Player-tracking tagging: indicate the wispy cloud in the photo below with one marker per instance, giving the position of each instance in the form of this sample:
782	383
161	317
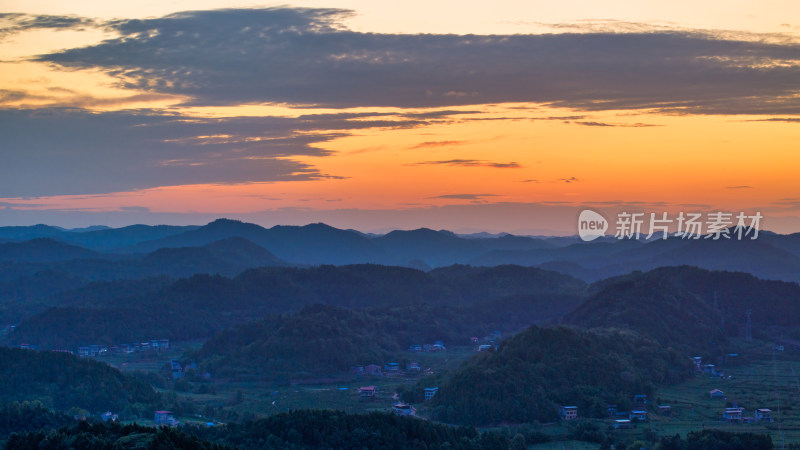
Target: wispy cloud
464	196
471	163
778	119
568	180
595	124
11	23
739	187
430	144
605	124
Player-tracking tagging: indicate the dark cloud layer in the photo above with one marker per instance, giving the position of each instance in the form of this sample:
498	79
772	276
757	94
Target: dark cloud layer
70	151
304	56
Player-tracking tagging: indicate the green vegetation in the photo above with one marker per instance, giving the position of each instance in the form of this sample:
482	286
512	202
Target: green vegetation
716	440
534	372
333	429
109	436
654	307
18	417
191	308
63	381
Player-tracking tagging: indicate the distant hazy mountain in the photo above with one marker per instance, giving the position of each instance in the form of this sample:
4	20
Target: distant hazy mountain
29	232
770	256
436	248
116	239
97	237
229	257
310	244
43	250
89	228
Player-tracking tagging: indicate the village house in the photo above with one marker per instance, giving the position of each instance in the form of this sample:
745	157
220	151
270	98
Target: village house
108	415
165	418
712	371
763	415
640	400
402	409
698	363
474	340
367	392
431	392
438	346
484	347
391	367
664	410
733	415
638	414
373	370
413	367
716	393
177	370
622	424
568	412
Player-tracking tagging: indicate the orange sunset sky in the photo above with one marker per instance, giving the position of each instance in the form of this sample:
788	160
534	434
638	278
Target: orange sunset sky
468	116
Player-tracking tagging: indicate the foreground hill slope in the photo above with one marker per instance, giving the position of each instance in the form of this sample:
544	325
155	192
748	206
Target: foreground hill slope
66	381
534	372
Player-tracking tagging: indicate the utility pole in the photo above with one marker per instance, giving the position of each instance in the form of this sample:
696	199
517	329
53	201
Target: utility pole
748	332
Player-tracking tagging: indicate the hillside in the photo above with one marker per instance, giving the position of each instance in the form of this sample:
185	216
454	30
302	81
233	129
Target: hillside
190	308
328	340
654	307
537	370
773	303
63	381
318	340
43	250
305	429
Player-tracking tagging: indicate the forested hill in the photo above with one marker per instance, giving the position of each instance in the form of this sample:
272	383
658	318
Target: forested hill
694	309
201	305
537	370
656	307
63	381
323	340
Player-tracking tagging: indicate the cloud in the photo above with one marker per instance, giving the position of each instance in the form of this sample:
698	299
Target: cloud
595	124
739	187
471	163
464	196
430	144
140	209
307	57
73	151
625	125
11	23
530	181
778	119
568	180
62	97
